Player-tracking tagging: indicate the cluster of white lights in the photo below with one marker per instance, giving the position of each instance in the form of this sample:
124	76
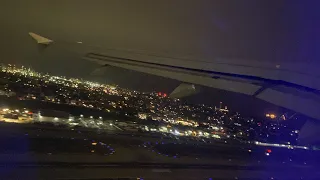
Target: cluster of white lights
280	145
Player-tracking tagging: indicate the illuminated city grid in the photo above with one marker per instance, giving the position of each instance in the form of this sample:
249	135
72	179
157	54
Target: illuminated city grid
155	111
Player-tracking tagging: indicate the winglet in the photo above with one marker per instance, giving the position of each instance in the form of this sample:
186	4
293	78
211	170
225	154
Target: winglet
40	39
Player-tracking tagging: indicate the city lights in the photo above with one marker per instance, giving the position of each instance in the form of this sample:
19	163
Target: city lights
272	116
147	111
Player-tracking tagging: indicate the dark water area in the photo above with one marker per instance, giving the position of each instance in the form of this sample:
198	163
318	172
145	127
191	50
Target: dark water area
248	153
21	145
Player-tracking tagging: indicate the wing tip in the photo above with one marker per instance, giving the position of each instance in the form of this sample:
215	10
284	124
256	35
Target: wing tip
40	39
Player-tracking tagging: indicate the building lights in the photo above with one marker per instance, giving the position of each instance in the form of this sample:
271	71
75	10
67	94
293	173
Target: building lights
170	111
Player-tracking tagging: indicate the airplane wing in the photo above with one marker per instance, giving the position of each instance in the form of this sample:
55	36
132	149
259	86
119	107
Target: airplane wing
294	87
277	86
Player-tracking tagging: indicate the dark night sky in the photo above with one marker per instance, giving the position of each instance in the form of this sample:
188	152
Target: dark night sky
265	30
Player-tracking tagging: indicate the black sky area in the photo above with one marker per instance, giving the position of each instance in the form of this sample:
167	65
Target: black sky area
257	31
